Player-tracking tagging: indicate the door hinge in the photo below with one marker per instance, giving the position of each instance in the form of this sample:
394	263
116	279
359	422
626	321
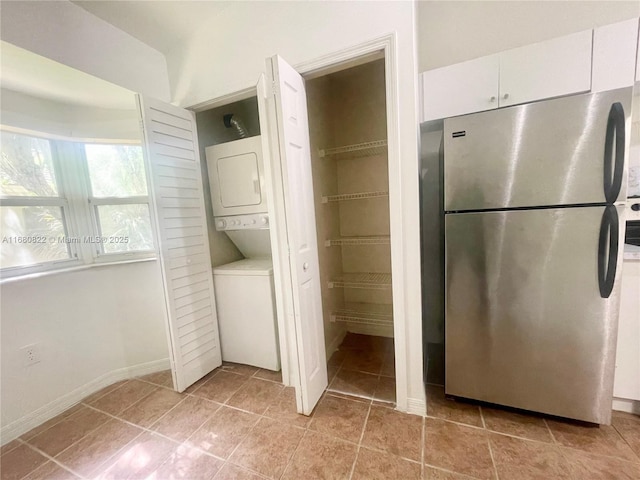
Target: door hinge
274	88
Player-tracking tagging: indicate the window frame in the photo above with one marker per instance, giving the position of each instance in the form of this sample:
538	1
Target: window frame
61	201
94	202
78	206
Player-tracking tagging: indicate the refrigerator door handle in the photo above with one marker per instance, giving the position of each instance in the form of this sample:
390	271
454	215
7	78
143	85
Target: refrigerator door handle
608	254
615	131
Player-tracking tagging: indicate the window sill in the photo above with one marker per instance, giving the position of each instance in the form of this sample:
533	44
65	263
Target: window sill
78	268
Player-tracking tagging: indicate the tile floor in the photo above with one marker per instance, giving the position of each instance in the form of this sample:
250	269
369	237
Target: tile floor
363	367
239	422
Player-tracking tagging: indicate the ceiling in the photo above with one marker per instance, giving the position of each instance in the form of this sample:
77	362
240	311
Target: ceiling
25	72
162	25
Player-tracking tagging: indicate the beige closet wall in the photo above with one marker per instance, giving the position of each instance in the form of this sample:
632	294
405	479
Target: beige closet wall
360	116
321	120
346	108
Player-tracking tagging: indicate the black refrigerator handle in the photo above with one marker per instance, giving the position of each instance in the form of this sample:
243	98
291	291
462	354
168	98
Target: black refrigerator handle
615	130
608	257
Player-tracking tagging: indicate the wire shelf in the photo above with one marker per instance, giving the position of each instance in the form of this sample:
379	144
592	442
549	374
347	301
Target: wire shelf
353	196
374	240
371	281
366	149
364	314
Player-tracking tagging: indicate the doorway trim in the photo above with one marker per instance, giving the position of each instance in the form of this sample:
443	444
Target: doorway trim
385	46
346	58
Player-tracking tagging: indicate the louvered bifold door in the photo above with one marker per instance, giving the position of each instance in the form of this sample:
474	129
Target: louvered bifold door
176	191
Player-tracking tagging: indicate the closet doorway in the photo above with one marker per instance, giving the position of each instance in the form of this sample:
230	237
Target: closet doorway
349	160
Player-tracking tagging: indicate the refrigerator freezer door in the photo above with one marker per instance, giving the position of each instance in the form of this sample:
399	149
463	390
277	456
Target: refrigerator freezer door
526	325
554	152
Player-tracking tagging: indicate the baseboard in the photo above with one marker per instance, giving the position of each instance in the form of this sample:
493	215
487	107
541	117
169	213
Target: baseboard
374	330
417	406
31	420
335	343
624	405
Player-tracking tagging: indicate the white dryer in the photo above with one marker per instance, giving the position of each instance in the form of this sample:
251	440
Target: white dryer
236	177
245	303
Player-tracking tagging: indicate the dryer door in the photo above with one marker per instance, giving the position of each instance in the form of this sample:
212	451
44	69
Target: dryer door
236	177
239	180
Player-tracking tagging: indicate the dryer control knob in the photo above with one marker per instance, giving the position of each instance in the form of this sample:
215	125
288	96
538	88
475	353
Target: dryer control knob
264	220
221	223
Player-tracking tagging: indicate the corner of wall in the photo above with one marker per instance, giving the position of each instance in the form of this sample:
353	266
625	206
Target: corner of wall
46	412
68	34
628	406
417	406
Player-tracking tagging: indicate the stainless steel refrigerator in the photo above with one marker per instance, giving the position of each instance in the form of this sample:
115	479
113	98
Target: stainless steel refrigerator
533	203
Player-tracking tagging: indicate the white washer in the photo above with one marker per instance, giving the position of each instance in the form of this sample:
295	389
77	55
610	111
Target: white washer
245	303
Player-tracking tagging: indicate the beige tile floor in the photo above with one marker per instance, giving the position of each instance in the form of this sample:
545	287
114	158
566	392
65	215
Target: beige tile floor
363	367
239	422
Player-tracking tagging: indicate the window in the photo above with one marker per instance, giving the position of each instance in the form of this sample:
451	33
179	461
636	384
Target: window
34	209
65	203
119	197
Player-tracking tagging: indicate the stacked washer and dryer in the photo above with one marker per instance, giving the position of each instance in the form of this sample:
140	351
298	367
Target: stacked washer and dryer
245	299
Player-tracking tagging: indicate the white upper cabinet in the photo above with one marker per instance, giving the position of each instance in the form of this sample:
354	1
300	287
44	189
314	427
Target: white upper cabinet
557	67
627	377
465	87
591	61
614	55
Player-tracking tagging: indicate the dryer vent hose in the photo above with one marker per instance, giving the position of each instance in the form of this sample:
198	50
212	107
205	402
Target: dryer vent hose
231	122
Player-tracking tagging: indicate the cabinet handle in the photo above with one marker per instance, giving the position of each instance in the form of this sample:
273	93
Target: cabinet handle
505	96
492	99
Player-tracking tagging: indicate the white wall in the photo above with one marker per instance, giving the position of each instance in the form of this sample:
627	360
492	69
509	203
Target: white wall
229	55
72	121
634	156
88	324
64	32
450	32
94	325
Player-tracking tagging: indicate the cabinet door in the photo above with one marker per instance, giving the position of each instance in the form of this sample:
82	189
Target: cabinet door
173	161
614	55
627	378
557	67
462	88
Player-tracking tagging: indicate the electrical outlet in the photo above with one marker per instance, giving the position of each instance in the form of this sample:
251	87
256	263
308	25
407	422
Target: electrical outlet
31	354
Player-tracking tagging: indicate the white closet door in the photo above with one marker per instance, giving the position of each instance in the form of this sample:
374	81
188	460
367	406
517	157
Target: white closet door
176	191
293	139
